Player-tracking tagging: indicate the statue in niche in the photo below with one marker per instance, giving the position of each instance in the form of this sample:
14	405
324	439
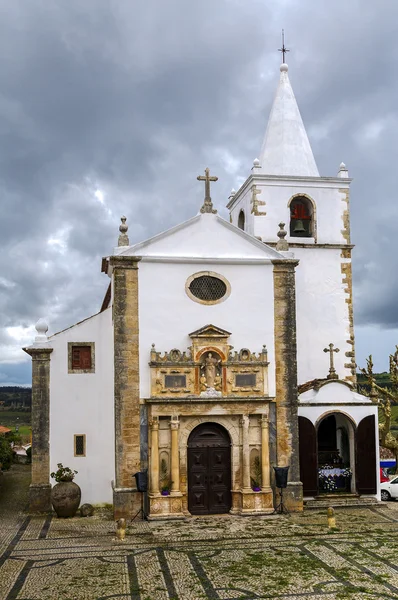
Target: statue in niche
210	368
203	384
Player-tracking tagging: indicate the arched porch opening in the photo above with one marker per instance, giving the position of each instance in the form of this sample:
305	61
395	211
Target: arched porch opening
335	437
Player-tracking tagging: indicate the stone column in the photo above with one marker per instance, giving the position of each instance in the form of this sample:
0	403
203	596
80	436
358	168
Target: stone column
265	476
126	385
286	377
155	456
175	458
40	487
245	453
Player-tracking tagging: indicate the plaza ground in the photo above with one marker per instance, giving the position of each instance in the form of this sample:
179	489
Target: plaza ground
224	558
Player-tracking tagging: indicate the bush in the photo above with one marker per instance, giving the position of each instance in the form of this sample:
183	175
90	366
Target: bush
5	454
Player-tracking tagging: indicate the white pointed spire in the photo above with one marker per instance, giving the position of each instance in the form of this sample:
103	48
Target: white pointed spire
286	149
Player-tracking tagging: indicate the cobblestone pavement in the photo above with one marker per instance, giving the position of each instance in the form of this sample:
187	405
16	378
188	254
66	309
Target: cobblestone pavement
224	558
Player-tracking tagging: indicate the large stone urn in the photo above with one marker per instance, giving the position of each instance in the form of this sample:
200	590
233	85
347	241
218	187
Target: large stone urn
65	498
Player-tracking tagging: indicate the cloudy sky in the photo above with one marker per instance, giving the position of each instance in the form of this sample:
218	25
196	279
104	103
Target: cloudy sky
111	107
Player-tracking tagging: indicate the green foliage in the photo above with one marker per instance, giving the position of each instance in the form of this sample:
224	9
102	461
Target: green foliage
15	395
256	472
5	453
63	473
165	483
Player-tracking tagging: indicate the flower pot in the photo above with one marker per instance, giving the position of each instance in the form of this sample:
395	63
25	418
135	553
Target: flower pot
256	489
65	498
165	493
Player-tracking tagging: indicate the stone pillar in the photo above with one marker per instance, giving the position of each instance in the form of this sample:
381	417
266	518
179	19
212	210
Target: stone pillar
286	377
40	487
175	458
245	453
265	475
155	456
126	385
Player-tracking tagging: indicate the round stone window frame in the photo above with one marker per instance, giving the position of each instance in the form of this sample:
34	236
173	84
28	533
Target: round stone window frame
208	274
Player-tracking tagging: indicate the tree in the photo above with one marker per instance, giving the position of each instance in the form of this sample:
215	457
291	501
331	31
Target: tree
5	453
385	397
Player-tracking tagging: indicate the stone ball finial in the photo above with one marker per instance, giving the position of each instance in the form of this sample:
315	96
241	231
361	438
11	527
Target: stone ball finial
123	237
284	68
256	162
282	244
343	171
342	165
233	192
41	328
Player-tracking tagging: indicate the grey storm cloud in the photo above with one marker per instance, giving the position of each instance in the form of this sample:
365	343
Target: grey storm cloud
114	107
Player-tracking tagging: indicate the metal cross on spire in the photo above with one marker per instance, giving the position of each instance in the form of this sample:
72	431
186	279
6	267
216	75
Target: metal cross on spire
332	370
283	49
207	204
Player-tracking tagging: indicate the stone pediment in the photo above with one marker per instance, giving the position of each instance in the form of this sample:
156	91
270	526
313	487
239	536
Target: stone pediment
210	331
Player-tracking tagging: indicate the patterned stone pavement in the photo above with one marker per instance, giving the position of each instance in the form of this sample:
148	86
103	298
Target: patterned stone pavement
224	558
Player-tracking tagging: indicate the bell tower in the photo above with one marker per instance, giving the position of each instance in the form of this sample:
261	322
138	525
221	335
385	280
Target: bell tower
284	186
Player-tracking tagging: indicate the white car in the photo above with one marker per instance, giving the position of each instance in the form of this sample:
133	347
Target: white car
389	489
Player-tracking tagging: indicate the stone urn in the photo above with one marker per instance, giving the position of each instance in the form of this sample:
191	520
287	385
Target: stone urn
65	498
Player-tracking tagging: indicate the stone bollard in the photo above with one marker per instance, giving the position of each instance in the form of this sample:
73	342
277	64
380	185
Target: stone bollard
331	518
121	529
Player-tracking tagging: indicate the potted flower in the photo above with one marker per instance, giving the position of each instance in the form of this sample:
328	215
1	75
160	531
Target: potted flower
256	475
65	495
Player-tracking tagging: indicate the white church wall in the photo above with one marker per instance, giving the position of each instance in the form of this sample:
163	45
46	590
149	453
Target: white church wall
322	313
82	403
167	315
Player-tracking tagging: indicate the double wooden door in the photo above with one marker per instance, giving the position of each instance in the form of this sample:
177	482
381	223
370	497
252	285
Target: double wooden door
209	470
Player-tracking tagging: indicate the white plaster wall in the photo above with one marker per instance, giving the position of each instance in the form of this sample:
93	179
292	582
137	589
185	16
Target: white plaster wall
167	315
83	404
322	313
276	193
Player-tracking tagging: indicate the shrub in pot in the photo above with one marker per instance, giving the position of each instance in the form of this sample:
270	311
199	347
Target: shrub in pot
65	495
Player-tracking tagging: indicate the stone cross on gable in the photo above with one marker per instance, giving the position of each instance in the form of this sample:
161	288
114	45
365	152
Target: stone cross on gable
207	204
332	370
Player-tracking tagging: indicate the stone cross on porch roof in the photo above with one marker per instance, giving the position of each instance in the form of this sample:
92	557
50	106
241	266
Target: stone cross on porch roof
207	204
332	370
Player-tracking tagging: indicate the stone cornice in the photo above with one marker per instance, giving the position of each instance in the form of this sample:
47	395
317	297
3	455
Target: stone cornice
38	353
288	263
124	262
207	400
314	246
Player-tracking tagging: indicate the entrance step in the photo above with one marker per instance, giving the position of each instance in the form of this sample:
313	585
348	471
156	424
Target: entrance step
340	501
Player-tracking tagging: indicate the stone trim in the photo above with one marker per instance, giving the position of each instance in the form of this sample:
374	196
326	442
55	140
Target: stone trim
346	214
84	445
126	383
314	233
314	246
191	278
346	271
286	377
40	488
77	371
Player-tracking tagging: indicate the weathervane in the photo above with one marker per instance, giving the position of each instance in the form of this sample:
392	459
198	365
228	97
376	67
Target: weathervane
207	204
283	49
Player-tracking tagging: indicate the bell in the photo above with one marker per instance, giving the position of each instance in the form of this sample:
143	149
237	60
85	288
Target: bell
298	227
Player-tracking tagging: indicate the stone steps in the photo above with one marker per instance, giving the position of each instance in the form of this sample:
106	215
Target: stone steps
341	501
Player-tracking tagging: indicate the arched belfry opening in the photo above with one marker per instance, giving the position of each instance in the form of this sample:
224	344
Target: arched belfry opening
302	217
241	220
209	470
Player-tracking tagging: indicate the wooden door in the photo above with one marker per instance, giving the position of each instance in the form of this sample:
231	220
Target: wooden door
209	470
308	457
366	456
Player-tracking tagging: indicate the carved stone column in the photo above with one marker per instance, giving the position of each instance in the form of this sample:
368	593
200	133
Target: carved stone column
40	487
245	453
154	472
265	475
175	458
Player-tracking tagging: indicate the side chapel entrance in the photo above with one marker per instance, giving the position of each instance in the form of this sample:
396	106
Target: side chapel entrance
336	456
209	470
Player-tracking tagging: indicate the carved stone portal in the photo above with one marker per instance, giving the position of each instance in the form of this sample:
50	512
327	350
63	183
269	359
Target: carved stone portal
209	368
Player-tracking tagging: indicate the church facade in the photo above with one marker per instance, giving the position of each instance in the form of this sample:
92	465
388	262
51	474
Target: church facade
222	349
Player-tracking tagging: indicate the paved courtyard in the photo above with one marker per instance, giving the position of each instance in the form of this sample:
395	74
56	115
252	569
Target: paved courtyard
219	558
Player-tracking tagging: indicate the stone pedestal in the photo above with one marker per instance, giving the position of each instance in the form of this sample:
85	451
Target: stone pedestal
165	507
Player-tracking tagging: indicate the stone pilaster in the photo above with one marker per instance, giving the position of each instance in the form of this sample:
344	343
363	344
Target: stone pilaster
265	474
245	422
286	377
40	487
154	471
175	458
126	386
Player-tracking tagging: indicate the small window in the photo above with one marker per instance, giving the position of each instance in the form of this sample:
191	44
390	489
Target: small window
301	217
81	357
207	287
80	444
241	220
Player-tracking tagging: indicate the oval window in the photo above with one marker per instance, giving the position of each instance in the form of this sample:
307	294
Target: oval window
207	288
